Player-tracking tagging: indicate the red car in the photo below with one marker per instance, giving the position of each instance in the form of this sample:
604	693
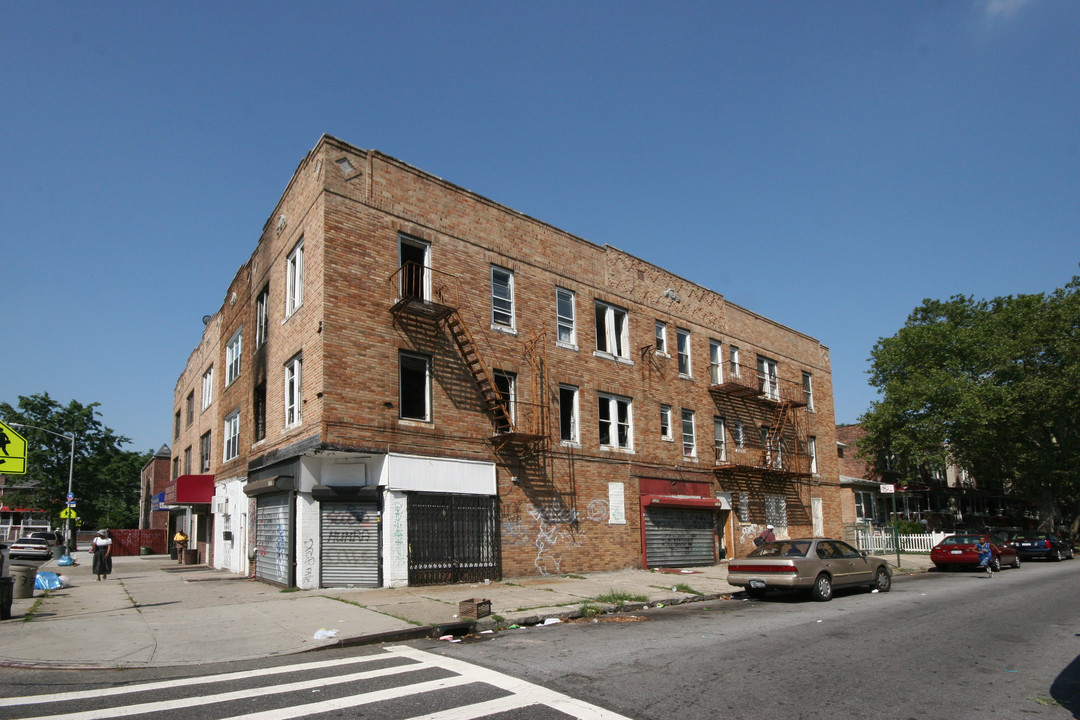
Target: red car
958	551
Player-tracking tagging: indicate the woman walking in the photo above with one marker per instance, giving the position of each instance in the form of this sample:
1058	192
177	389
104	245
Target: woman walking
102	554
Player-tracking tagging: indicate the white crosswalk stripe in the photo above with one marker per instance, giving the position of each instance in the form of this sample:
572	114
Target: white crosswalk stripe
519	693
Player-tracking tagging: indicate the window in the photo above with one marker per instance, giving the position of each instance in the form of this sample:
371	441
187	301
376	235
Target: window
811	450
808	390
772	447
294	279
258	415
737	435
414	387
767	378
776	511
689	445
292	392
262	317
505	383
665	422
716	363
208	387
176	425
864	506
615	419
661	337
736	370
190	412
502	298
612	333
744	507
568	414
204	453
175	467
232	358
684	352
719	439
232	436
187	460
564	310
415	258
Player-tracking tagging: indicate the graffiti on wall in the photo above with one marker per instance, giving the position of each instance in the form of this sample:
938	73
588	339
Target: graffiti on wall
552	529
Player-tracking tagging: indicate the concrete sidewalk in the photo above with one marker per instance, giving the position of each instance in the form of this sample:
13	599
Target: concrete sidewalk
153	612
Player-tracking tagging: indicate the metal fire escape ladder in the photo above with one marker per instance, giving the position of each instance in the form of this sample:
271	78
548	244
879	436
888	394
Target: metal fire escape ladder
494	402
774	440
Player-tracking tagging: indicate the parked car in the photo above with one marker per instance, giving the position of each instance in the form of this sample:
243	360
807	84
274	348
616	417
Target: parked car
1042	545
53	538
30	547
815	564
957	551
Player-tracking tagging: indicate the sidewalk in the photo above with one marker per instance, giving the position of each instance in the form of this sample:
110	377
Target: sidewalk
153	612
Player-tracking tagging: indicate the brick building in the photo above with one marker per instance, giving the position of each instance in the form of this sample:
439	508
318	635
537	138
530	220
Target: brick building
154	478
410	383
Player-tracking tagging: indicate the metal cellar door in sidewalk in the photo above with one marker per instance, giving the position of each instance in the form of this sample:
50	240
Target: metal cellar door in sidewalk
678	537
452	539
350	544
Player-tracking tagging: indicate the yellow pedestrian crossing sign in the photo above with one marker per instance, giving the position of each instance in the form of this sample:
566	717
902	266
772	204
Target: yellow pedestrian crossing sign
67	513
12	452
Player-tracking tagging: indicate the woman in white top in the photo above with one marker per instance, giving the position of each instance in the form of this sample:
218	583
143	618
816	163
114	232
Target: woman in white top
102	554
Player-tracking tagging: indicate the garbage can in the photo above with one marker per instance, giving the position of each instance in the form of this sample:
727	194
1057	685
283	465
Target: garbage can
7	586
172	551
4	565
57	551
23	577
191	557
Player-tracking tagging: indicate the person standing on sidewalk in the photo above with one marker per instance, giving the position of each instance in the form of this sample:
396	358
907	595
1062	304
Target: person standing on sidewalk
102	554
181	540
986	556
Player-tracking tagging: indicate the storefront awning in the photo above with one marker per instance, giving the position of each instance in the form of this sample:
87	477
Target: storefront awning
717	503
190	490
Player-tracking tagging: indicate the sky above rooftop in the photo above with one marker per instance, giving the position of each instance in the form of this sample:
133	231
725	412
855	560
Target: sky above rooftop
827	165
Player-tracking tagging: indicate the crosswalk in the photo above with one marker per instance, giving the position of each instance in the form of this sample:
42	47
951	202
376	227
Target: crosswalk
400	682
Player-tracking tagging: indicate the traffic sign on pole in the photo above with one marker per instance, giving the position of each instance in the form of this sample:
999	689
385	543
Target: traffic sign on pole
12	452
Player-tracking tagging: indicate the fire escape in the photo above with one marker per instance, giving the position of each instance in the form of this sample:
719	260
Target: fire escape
781	448
433	298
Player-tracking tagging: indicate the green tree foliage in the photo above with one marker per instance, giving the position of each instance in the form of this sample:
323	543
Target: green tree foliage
105	479
991	385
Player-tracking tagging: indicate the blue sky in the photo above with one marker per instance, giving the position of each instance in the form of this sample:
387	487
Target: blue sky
826	164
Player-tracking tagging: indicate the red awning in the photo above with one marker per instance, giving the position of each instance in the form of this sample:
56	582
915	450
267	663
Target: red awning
190	490
700	503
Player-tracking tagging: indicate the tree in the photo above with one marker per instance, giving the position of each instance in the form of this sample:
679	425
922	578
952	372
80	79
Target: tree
993	386
105	478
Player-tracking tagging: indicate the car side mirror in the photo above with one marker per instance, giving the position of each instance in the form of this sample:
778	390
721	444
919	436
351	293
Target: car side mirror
863	553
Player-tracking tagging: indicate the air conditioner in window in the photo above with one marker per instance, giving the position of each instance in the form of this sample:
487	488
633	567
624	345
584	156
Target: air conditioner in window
220	506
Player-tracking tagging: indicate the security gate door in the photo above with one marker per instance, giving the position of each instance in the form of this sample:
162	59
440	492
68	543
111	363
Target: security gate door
350	544
675	537
452	538
273	539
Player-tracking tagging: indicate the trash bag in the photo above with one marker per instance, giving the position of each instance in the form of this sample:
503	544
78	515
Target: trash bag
65	561
47	581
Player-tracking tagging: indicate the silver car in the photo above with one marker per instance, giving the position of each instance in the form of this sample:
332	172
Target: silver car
30	547
815	564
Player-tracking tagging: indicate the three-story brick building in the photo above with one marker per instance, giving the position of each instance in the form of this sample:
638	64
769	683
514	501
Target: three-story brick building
410	383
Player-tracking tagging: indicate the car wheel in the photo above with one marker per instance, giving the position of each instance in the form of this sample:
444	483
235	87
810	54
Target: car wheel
1057	556
822	591
1016	562
995	564
882	580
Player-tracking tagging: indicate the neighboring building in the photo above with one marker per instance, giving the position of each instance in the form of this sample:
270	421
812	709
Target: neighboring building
945	499
153	513
408	383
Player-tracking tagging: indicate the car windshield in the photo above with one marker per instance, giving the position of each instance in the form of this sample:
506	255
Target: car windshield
961	540
782	548
32	541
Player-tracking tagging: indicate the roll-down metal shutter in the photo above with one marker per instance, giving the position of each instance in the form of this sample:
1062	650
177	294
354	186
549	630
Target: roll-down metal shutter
350	544
675	537
273	533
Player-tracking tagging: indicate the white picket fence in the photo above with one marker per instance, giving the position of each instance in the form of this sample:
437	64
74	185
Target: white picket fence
882	541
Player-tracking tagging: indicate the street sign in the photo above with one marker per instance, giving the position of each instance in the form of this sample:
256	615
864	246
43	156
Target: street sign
886	489
67	514
70	497
12	452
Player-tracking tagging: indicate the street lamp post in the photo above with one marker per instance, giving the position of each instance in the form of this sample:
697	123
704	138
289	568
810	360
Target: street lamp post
71	469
